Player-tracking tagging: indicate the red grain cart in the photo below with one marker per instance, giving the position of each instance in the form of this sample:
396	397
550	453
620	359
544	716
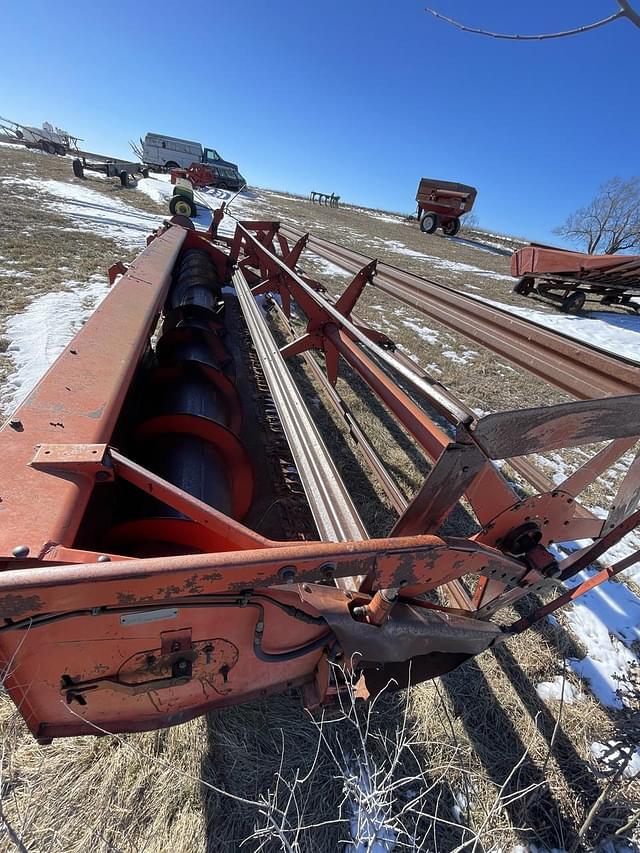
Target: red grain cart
442	203
569	277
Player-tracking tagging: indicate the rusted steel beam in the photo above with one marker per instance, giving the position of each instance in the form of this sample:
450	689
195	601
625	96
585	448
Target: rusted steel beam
627	496
594	467
230	531
447	482
578	369
492	493
423	562
331	505
574	593
506	434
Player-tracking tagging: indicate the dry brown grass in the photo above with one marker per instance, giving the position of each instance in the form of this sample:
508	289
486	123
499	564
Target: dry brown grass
178	789
481	732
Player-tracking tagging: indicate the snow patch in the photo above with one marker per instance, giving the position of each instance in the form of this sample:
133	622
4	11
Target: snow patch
606	621
384	217
15	145
491	248
427	334
95	212
559	689
327	267
464	357
441	264
614	754
369	815
158	188
40	333
616	333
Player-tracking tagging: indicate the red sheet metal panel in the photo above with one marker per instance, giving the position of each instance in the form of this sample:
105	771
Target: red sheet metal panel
538	261
450	196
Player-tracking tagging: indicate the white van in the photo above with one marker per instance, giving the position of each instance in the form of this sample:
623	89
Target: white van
172	153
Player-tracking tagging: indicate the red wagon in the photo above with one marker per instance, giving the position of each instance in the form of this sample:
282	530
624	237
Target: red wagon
570	277
442	203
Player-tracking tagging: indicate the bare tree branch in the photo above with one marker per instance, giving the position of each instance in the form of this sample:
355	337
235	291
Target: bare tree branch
611	219
625	11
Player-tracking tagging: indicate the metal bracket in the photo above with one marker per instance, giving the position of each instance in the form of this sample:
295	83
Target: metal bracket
90	459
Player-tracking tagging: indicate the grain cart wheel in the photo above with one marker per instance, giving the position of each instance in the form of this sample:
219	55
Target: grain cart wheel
78	169
524	286
429	223
124	179
573	303
451	227
61	150
182	206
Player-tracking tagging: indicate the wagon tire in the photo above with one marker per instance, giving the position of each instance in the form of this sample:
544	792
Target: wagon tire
451	228
171	165
572	304
182	206
124	178
78	169
524	286
429	223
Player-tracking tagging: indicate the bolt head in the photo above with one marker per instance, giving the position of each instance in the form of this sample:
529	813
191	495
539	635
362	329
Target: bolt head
287	574
21	551
104	558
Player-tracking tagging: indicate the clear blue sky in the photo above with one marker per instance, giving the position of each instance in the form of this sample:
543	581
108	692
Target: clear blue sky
360	97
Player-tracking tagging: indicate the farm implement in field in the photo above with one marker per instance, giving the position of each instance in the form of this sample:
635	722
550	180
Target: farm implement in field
50	139
177	537
571	278
122	169
442	203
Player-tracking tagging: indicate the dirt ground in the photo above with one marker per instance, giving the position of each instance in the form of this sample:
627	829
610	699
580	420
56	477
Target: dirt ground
475	760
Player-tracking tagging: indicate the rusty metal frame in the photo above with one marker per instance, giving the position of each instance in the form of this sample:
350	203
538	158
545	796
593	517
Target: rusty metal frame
282	607
490	438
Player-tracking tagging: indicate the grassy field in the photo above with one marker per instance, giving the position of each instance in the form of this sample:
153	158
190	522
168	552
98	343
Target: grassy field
475	760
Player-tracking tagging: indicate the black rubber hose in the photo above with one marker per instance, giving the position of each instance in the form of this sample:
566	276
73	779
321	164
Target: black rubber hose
300	652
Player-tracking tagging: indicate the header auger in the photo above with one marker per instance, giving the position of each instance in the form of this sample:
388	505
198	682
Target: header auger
175	536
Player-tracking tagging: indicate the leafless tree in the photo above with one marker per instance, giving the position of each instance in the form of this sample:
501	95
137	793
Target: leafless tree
625	10
610	222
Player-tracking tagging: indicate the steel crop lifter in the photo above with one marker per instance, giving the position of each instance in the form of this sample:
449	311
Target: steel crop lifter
175	536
